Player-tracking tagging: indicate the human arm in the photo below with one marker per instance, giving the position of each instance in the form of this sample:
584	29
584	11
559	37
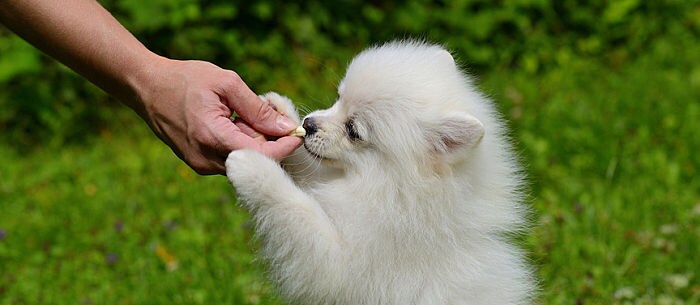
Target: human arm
186	103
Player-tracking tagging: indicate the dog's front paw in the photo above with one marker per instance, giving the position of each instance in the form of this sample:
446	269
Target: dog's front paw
282	104
251	172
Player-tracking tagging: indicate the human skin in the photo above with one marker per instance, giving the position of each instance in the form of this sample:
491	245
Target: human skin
187	104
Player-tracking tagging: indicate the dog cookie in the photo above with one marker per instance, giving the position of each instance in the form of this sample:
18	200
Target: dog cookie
298	132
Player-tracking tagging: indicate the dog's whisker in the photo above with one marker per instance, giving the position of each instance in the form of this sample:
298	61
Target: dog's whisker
312	166
397	187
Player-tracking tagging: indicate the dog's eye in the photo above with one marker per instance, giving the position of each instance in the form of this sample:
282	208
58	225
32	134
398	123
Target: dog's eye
350	129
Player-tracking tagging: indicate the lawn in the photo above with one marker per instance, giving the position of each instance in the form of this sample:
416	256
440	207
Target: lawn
611	152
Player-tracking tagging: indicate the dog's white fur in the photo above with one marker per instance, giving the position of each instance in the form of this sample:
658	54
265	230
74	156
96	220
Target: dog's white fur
415	211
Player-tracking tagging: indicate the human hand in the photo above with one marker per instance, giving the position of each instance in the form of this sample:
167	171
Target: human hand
188	104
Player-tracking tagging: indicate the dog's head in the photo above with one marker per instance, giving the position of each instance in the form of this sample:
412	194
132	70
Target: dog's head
400	103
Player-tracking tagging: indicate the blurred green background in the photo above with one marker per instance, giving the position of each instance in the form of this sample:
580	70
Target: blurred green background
602	97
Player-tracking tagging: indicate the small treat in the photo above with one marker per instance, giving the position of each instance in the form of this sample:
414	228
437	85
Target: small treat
299	132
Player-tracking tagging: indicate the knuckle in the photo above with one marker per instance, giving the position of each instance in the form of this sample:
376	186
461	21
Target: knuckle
232	77
197	159
265	112
232	74
203	167
199	166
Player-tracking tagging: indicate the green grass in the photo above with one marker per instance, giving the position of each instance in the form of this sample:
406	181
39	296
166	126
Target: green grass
611	154
82	225
613	161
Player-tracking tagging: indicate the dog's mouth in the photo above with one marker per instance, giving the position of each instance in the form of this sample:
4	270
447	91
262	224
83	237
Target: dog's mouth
318	156
317	147
313	153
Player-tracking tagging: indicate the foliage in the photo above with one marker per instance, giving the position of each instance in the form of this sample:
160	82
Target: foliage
271	43
602	98
611	156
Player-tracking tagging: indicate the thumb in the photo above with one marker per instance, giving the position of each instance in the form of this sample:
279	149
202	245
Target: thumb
259	114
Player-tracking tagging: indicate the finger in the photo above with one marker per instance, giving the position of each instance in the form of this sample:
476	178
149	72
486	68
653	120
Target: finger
259	114
208	163
215	168
248	130
228	136
281	148
277	150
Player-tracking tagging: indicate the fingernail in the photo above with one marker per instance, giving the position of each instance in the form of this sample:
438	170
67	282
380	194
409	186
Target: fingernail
286	123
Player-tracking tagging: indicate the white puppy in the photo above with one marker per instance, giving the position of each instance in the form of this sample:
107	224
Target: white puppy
405	193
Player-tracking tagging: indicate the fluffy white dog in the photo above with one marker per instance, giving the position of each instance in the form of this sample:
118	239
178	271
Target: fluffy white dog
405	191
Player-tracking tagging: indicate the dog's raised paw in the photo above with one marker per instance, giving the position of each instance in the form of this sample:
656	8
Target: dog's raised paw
281	104
249	169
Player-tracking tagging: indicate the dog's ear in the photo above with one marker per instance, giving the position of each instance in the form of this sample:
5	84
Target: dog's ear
455	132
445	56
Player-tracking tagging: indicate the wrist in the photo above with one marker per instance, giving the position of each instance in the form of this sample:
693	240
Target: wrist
143	81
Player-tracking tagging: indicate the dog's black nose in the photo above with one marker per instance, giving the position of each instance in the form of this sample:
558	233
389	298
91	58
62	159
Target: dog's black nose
310	126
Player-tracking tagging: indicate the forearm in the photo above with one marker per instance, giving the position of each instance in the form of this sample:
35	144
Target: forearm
188	104
85	37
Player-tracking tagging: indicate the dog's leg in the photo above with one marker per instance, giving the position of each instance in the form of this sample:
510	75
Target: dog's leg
295	230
